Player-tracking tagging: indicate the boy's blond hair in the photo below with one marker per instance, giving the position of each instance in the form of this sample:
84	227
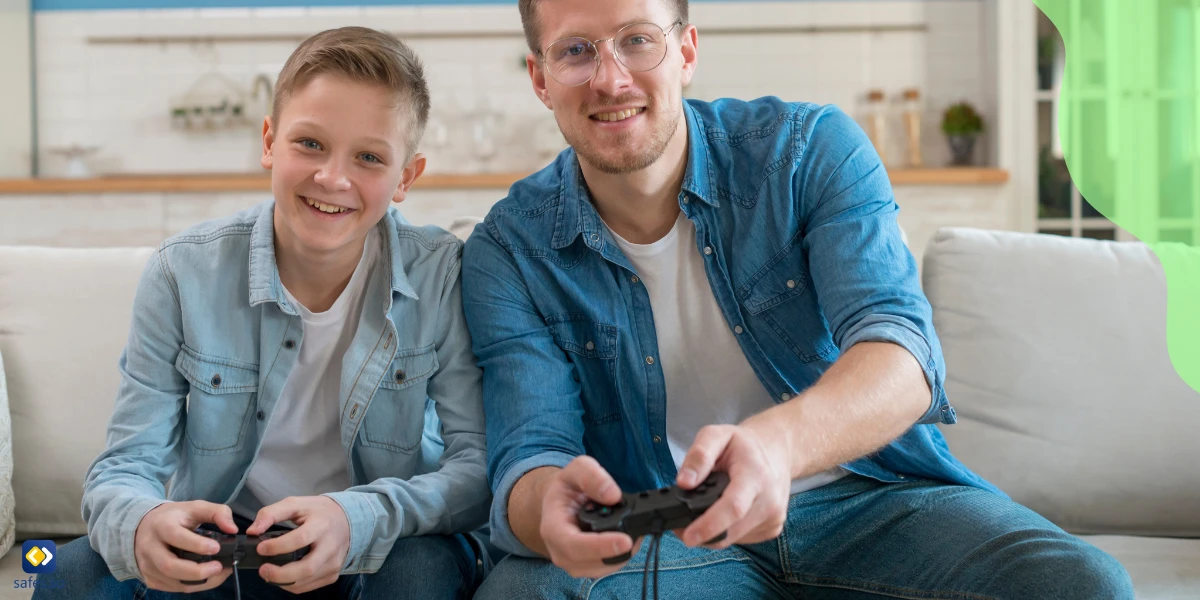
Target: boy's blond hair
363	55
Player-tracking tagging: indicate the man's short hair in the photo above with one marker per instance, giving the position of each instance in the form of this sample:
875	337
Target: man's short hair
362	55
528	9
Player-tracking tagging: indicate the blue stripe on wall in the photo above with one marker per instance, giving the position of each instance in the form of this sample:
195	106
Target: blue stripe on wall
48	5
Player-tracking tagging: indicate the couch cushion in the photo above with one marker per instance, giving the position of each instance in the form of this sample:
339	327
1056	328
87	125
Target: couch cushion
1058	369
1161	568
7	502
64	318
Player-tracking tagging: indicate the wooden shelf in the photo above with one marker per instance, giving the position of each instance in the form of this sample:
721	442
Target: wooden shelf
949	176
261	182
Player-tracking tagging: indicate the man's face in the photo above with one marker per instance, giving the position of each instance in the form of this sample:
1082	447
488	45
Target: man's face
335	170
620	121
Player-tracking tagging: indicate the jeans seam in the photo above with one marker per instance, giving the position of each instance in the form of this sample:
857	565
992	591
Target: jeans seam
886	590
590	584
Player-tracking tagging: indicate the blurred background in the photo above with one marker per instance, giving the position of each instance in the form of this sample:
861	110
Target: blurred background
125	121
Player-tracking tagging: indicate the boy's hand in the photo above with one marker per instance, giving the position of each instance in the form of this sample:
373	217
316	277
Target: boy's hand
323	527
172	525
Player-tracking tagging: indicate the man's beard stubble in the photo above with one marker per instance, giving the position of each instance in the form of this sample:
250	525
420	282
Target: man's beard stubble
635	159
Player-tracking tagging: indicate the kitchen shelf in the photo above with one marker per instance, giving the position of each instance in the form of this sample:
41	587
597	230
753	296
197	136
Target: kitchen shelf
256	182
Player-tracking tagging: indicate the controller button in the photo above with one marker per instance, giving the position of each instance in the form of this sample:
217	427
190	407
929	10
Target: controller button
644	494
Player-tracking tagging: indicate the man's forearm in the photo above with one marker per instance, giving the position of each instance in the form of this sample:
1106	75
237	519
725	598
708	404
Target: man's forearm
525	507
870	396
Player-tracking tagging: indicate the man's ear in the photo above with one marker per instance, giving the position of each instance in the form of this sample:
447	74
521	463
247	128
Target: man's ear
690	51
268	135
412	171
537	76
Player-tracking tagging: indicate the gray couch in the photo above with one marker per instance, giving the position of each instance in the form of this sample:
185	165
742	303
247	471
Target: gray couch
1056	361
1057	365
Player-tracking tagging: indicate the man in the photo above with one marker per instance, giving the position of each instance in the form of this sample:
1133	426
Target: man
698	287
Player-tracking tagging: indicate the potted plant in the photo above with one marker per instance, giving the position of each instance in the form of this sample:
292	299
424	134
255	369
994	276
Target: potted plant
1047	47
962	125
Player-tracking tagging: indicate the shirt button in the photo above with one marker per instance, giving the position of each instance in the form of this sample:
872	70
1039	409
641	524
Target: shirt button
686	200
289	344
708	250
215	381
649	360
738	330
591	346
595	238
260	415
657	440
785	396
791	284
634	279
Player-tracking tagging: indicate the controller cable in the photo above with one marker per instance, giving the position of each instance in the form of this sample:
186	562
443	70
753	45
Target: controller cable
656	531
237	585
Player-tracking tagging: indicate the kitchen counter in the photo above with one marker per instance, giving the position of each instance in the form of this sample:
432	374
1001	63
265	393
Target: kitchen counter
261	182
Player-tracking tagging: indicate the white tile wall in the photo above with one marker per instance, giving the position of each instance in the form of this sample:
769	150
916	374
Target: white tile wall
117	97
147	219
16	94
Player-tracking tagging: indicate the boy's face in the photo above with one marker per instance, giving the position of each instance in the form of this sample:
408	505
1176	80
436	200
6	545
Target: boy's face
585	113
337	159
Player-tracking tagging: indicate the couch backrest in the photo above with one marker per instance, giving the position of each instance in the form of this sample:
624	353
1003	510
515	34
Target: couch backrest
64	318
1057	366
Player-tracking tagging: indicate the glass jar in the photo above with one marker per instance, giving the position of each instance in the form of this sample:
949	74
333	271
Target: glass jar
912	127
877	123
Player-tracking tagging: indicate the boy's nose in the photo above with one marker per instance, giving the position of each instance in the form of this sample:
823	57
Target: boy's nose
332	176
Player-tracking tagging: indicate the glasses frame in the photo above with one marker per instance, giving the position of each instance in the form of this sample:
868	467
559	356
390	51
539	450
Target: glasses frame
599	56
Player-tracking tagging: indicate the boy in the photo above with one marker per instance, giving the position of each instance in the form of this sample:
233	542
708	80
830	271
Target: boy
280	363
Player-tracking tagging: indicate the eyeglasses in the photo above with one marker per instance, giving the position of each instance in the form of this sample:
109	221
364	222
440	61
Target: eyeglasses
574	61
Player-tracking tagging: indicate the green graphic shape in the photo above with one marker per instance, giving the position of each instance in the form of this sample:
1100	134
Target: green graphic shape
1129	128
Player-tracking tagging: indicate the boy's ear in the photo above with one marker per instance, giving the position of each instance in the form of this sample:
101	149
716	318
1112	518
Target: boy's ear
268	135
537	76
412	171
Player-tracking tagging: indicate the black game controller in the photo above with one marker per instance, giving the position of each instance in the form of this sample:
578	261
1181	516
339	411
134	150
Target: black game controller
653	511
242	549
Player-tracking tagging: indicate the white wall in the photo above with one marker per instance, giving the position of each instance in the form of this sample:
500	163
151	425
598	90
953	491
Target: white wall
16	118
117	97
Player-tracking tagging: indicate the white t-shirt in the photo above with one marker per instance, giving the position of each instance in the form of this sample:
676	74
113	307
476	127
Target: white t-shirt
709	380
301	452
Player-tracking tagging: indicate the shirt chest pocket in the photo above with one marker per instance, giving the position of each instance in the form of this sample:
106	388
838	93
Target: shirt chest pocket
779	295
220	402
592	349
395	419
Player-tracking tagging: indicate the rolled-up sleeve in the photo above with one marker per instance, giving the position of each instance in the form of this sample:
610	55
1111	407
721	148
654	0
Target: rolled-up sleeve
867	281
532	403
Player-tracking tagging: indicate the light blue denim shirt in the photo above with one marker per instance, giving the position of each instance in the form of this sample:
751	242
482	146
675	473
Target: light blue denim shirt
796	223
212	342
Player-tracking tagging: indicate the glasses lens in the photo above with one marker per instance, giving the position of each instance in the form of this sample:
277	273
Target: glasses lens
571	61
641	46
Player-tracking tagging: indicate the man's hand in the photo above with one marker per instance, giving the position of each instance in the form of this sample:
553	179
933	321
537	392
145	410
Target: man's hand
754	506
578	552
322	525
172	525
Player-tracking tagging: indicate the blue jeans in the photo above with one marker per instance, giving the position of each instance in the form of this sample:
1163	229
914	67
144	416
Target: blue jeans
435	567
859	539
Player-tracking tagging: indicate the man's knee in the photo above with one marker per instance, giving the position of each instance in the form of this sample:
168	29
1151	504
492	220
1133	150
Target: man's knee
1066	567
429	566
521	577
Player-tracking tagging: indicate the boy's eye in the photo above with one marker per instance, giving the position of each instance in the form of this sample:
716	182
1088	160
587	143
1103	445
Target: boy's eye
371	158
311	144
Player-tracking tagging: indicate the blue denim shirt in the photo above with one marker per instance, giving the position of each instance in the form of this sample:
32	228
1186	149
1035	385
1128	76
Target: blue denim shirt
213	340
796	223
